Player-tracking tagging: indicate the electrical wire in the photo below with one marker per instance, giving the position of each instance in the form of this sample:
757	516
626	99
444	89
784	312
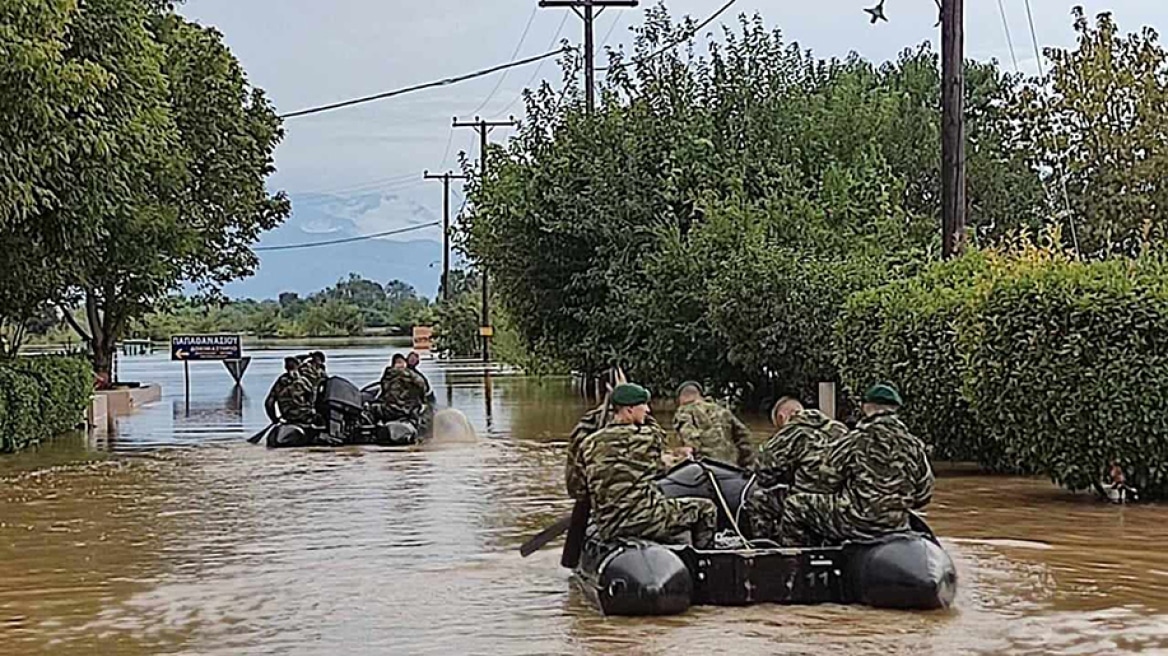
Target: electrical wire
1009	39
503	77
689	34
420	87
347	240
535	74
1034	38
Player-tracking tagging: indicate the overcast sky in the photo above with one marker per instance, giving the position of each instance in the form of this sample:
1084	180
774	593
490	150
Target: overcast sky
310	52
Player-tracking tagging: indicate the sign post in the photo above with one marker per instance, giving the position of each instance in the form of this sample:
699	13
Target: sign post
207	348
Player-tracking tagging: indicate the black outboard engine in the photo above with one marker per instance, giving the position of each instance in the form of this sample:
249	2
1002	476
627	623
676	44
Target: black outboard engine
340	407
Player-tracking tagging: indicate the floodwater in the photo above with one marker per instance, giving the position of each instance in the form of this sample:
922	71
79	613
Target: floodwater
175	536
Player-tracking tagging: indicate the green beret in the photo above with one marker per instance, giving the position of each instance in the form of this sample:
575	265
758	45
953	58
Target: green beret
884	394
690	383
629	394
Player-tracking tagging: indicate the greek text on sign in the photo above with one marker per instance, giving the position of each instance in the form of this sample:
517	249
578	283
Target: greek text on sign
205	347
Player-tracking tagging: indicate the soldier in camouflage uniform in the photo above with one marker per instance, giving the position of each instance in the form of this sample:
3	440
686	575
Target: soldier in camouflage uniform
291	395
796	457
884	473
313	369
403	393
619	464
709	430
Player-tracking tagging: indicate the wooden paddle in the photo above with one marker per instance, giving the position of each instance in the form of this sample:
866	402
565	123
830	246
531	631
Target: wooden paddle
255	439
539	540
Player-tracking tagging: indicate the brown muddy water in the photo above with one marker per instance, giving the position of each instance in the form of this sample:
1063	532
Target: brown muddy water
177	537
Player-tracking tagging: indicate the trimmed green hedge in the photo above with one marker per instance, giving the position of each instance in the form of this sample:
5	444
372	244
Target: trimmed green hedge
1027	361
906	333
41	397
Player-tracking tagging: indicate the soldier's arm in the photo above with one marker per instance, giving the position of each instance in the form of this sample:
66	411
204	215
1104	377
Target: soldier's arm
923	487
573	474
773	461
270	403
688	432
741	436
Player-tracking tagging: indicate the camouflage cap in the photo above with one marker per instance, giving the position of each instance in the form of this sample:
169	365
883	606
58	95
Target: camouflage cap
884	394
629	394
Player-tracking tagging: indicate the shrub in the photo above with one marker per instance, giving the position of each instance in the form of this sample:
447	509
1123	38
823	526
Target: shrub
1067	370
41	397
906	333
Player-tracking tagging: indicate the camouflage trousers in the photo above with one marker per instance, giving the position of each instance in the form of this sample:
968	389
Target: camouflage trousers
302	415
814	519
671	521
764	508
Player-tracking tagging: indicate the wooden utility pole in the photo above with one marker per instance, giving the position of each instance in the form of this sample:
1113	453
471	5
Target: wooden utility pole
587	11
445	178
484	128
952	128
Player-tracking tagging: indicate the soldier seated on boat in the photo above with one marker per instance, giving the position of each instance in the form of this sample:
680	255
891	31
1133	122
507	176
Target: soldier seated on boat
883	473
403	393
620	463
710	430
313	369
290	399
794	458
412	362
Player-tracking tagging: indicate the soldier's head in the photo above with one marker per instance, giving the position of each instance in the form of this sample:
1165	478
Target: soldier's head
784	409
412	360
689	392
880	398
631	403
317	357
399	361
291	364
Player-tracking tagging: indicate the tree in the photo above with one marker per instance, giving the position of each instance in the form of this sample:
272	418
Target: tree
398	292
184	197
1097	123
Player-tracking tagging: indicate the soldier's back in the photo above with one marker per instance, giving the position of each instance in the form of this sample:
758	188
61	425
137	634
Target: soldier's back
799	454
706	426
619	464
886	471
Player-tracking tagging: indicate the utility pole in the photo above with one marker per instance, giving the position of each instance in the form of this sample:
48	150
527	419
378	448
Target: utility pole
952	128
445	178
484	128
585	10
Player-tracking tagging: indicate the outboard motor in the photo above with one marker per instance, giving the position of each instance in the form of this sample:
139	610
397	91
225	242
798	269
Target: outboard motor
642	578
340	406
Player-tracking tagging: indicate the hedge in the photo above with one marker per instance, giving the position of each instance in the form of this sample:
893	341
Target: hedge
1068	365
41	397
906	333
1025	361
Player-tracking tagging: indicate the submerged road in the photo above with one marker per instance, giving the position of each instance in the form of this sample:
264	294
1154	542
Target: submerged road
174	536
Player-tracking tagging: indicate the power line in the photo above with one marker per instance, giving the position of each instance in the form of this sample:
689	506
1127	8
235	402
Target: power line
518	46
535	73
612	28
1009	39
1034	38
419	87
348	240
689	34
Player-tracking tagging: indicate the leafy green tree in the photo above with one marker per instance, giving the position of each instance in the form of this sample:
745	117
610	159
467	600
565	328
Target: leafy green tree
1098	124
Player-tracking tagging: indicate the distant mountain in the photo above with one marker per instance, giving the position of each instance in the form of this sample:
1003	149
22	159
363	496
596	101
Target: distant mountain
414	257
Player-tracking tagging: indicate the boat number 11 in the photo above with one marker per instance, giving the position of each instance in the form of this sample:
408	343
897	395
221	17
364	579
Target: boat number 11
823	577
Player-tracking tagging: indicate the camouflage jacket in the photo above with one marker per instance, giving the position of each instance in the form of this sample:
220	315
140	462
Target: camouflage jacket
797	455
619	464
886	473
293	395
714	432
314	373
592	421
403	390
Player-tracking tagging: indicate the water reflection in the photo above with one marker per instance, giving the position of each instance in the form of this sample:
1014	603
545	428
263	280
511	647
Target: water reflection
228	548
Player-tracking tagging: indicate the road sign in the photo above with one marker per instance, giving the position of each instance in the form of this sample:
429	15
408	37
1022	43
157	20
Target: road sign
194	348
423	338
486	331
237	367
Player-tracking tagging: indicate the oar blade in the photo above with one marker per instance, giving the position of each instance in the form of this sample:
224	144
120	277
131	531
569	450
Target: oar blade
545	536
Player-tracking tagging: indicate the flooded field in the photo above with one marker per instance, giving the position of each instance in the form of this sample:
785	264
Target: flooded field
174	536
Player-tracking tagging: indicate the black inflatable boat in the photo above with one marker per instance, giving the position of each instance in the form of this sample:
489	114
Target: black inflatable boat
340	406
636	577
